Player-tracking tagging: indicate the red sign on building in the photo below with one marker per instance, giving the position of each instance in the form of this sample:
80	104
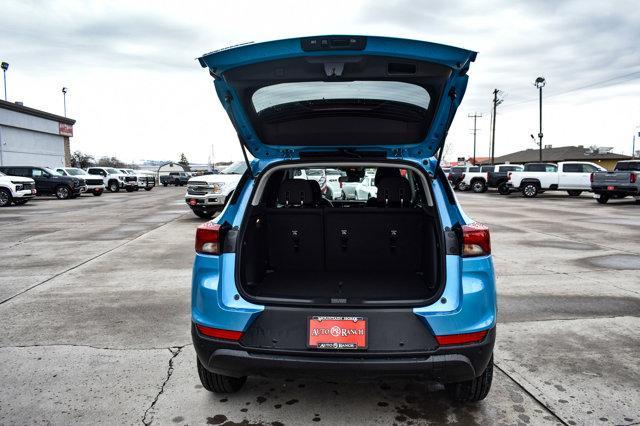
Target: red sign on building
65	129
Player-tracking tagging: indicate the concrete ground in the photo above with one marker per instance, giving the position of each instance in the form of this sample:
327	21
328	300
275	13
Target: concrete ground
94	301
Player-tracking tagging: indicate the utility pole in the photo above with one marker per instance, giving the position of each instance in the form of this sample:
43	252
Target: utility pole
496	102
539	83
5	67
64	99
475	129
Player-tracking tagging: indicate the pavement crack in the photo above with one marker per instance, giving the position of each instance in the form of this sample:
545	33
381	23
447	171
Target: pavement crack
147	418
525	390
171	349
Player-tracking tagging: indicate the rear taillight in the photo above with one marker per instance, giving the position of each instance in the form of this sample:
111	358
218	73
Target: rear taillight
208	238
219	333
461	339
633	177
462	176
591	178
475	240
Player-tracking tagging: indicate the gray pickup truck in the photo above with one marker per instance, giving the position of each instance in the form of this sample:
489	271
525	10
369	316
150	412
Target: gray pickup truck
622	182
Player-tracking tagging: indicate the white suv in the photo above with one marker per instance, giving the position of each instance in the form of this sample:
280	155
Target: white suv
15	189
112	178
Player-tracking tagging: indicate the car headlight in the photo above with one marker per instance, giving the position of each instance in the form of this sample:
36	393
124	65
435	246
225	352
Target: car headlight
120	177
216	187
18	185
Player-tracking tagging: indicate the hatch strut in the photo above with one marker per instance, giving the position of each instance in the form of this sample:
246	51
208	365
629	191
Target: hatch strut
452	96
227	100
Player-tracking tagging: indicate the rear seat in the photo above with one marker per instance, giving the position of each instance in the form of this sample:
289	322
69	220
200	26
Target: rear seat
388	237
295	229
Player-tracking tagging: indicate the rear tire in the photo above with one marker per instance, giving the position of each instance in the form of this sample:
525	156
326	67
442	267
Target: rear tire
129	189
574	192
503	189
5	197
148	189
165	184
463	186
63	192
472	390
217	382
478	186
114	186
96	193
530	190
602	199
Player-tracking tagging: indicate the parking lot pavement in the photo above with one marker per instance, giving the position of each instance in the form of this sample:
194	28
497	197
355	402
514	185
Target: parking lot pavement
94	301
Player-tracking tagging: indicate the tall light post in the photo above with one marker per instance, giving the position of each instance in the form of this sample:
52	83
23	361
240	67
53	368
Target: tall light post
5	67
64	99
539	83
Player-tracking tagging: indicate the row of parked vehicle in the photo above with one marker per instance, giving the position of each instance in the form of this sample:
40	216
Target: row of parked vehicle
532	179
18	184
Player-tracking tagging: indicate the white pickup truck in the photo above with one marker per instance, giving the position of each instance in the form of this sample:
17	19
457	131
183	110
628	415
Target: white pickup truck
207	195
16	189
487	176
571	176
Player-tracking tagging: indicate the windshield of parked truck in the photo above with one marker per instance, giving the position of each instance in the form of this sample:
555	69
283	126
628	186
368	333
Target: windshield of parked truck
75	172
52	172
237	168
631	166
113	171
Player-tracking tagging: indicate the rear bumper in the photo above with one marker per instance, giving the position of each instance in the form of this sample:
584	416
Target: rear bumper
617	189
444	365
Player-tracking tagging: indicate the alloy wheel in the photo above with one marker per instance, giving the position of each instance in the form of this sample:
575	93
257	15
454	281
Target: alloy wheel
4	199
62	192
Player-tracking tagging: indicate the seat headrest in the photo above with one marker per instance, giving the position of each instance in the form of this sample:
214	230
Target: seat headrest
316	190
384	172
295	192
394	190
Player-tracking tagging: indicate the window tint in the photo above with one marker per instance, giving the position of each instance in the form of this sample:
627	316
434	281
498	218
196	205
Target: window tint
474	169
37	172
457	170
550	168
572	168
628	166
61	171
486	168
509	168
588	168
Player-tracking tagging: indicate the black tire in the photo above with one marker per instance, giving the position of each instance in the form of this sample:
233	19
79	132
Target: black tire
463	186
165	184
148	188
530	190
478	186
503	189
574	192
136	189
217	382
96	193
63	192
5	197
20	202
472	390
129	189
114	186
602	199
203	215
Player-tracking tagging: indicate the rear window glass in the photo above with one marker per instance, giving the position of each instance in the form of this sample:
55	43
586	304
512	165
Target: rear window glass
474	169
630	166
458	169
396	91
486	168
510	168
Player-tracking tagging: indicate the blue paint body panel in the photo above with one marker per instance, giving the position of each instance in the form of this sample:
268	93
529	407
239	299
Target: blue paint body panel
468	303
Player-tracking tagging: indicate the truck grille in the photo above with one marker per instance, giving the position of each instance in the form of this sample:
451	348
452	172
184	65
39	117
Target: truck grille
94	182
82	182
27	186
129	178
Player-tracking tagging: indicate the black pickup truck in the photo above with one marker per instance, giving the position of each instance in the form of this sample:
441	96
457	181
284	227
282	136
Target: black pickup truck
48	181
498	177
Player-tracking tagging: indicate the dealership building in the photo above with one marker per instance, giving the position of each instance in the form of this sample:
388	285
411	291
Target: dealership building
31	137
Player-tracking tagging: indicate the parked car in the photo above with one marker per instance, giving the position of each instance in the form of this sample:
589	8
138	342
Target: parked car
113	178
402	284
571	176
142	180
16	189
457	175
208	194
175	178
48	181
489	176
95	184
622	182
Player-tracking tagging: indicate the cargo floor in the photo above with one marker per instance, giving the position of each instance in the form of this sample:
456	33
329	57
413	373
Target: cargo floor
314	285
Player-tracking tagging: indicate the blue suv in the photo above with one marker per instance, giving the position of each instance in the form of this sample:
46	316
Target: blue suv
398	281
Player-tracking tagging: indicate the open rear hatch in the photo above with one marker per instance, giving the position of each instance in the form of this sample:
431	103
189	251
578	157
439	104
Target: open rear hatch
353	94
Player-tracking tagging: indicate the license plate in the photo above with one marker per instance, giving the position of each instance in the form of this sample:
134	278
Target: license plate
337	332
193	202
610	188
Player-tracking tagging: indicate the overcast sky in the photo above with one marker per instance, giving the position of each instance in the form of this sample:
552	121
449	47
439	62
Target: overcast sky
137	91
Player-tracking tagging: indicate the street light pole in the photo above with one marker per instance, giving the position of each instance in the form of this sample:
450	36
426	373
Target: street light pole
5	67
539	83
475	129
64	100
